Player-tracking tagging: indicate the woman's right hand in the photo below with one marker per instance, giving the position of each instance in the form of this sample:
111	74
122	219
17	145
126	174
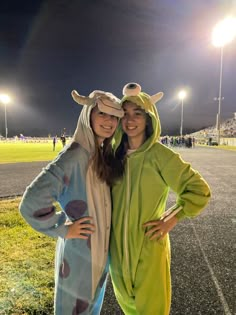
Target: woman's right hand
81	228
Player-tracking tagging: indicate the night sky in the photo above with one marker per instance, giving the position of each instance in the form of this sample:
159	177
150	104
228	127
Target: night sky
48	48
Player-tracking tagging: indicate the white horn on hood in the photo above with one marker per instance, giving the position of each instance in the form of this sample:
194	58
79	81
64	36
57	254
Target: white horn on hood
80	99
156	97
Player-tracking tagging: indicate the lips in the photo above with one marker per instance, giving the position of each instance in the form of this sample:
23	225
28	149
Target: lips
107	127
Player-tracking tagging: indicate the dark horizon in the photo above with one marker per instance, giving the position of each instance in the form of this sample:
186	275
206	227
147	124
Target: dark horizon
49	48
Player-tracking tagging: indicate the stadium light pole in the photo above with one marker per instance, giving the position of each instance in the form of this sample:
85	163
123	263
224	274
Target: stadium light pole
5	99
223	33
182	95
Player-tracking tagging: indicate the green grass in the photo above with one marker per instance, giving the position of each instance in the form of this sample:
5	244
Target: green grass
27	152
222	147
226	147
15	152
26	265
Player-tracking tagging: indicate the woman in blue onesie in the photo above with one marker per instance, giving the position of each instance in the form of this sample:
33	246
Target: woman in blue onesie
78	179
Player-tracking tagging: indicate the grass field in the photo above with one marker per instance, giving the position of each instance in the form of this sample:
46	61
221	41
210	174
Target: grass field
32	152
221	147
26	265
27	152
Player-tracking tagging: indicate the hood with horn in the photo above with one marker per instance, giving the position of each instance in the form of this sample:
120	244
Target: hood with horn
106	102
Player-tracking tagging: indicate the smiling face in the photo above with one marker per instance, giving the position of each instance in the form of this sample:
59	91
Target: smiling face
134	123
103	125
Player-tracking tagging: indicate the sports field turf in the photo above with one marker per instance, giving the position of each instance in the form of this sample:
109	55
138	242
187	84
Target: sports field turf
14	152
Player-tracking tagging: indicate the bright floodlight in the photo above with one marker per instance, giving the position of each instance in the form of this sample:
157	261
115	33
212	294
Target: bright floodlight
4	98
224	32
182	94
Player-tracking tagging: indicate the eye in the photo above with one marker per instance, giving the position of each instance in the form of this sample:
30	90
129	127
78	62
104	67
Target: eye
101	113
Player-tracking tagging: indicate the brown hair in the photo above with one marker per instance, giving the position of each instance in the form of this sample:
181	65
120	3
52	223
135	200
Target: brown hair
104	162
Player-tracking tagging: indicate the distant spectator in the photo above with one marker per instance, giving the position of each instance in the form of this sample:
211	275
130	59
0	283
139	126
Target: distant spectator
188	142
54	141
63	140
210	141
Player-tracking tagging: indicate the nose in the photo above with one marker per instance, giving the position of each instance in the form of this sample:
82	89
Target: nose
129	118
106	116
110	118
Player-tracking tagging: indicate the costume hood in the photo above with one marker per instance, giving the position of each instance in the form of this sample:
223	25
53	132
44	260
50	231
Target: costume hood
133	93
106	102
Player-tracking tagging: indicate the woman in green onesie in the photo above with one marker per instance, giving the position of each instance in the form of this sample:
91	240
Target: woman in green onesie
139	245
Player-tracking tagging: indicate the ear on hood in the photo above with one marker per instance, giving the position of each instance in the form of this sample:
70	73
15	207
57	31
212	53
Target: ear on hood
106	102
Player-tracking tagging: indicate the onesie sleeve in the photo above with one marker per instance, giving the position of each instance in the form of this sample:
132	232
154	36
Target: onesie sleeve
193	193
37	205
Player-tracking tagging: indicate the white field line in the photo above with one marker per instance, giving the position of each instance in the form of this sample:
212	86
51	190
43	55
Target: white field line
215	281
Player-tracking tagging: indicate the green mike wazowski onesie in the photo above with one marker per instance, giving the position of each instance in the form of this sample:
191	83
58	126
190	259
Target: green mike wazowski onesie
140	267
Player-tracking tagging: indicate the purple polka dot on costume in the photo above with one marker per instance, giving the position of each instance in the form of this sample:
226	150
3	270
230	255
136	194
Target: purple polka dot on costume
102	280
80	307
44	213
73	146
64	269
76	209
89	242
66	180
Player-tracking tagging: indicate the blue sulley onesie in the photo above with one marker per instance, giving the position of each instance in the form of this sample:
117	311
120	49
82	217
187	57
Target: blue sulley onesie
81	265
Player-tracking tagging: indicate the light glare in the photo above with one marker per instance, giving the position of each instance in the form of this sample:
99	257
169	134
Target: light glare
4	98
224	32
182	94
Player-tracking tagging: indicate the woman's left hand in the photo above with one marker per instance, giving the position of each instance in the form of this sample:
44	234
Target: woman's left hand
159	228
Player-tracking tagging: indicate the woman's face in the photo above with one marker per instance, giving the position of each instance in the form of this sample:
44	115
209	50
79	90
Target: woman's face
103	125
134	120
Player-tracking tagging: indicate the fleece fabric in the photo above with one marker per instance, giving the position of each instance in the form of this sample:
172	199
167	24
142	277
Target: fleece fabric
81	266
140	267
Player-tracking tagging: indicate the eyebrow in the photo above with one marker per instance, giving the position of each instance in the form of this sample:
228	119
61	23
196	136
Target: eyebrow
137	109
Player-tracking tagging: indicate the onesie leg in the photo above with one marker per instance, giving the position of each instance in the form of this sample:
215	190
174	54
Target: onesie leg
126	303
152	286
95	308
